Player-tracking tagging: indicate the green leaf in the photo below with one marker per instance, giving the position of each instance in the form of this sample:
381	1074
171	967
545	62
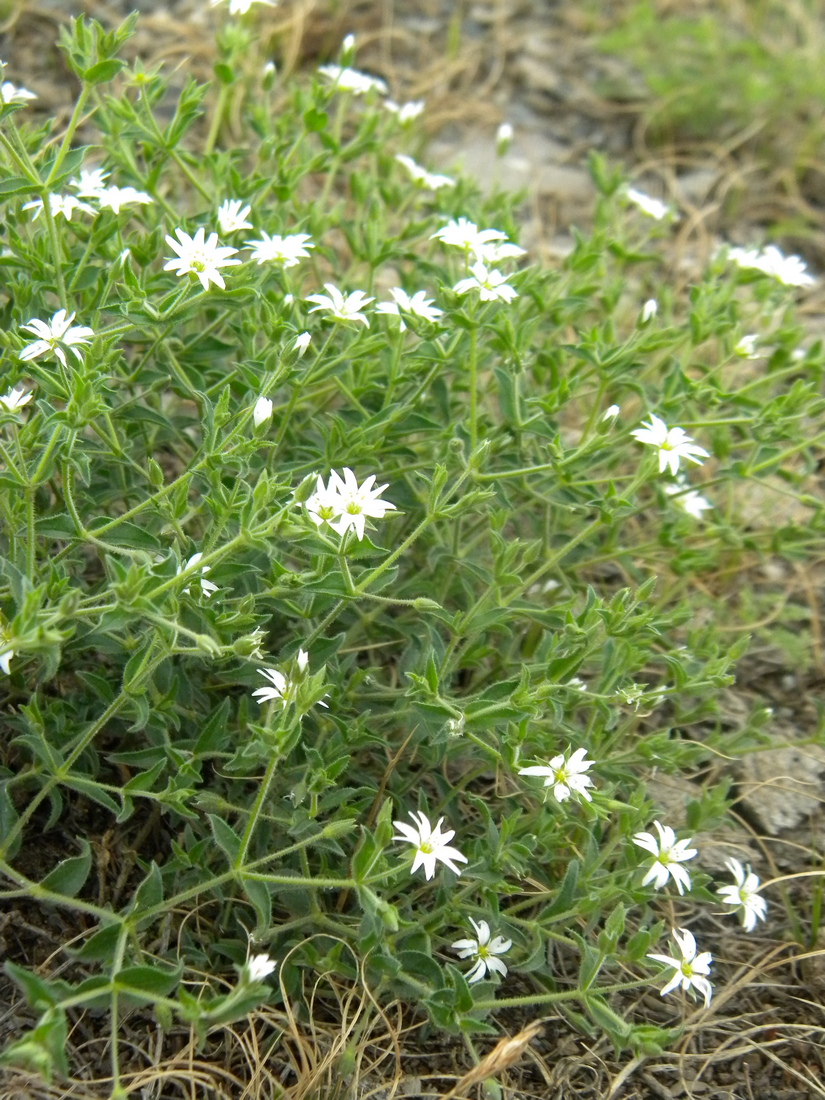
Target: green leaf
149	893
18	185
103	71
42	1050
101	946
70	874
227	839
144	983
564	899
8	820
38	992
315	120
422	968
261	899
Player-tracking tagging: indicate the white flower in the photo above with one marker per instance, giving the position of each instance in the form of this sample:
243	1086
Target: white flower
262	411
54	333
356	502
691	970
281	689
673	444
430	844
492	253
15	399
466	235
490	284
207	587
114	198
241	7
351	80
6	652
669	854
283	250
10	94
200	257
419	304
302	342
504	135
743	894
259	967
746	348
325	504
690	501
430	180
232	215
484	951
789	270
90	183
565	775
58	204
405	112
611	413
654	208
632	696
346	307
649	310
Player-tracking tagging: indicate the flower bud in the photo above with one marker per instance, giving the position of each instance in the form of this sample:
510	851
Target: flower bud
262	411
504	135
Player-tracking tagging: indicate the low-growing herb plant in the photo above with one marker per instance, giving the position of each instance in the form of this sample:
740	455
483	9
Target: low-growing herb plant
348	551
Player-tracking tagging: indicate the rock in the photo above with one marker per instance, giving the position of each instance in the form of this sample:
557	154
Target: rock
781	788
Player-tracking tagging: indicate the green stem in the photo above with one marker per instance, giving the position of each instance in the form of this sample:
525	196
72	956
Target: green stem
473	390
74	121
263	791
556	998
217	119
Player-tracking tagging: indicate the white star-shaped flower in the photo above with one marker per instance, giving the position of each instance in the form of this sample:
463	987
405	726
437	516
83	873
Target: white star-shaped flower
430	180
669	855
565	775
654	208
491	284
356	502
431	845
689	500
207	587
484	951
346	307
743	894
691	970
405	112
351	80
241	7
6	651
59	331
280	689
464	234
15	399
11	94
58	204
232	215
672	443
90	183
790	270
200	257
419	304
283	250
746	347
505	250
113	198
259	967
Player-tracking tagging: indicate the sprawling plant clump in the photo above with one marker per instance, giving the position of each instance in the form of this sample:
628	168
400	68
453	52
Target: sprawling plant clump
347	561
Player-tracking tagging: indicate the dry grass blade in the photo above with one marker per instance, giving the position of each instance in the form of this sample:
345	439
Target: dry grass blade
504	1054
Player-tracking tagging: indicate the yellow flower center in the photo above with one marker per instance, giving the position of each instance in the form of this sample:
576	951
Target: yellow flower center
354	508
426	847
